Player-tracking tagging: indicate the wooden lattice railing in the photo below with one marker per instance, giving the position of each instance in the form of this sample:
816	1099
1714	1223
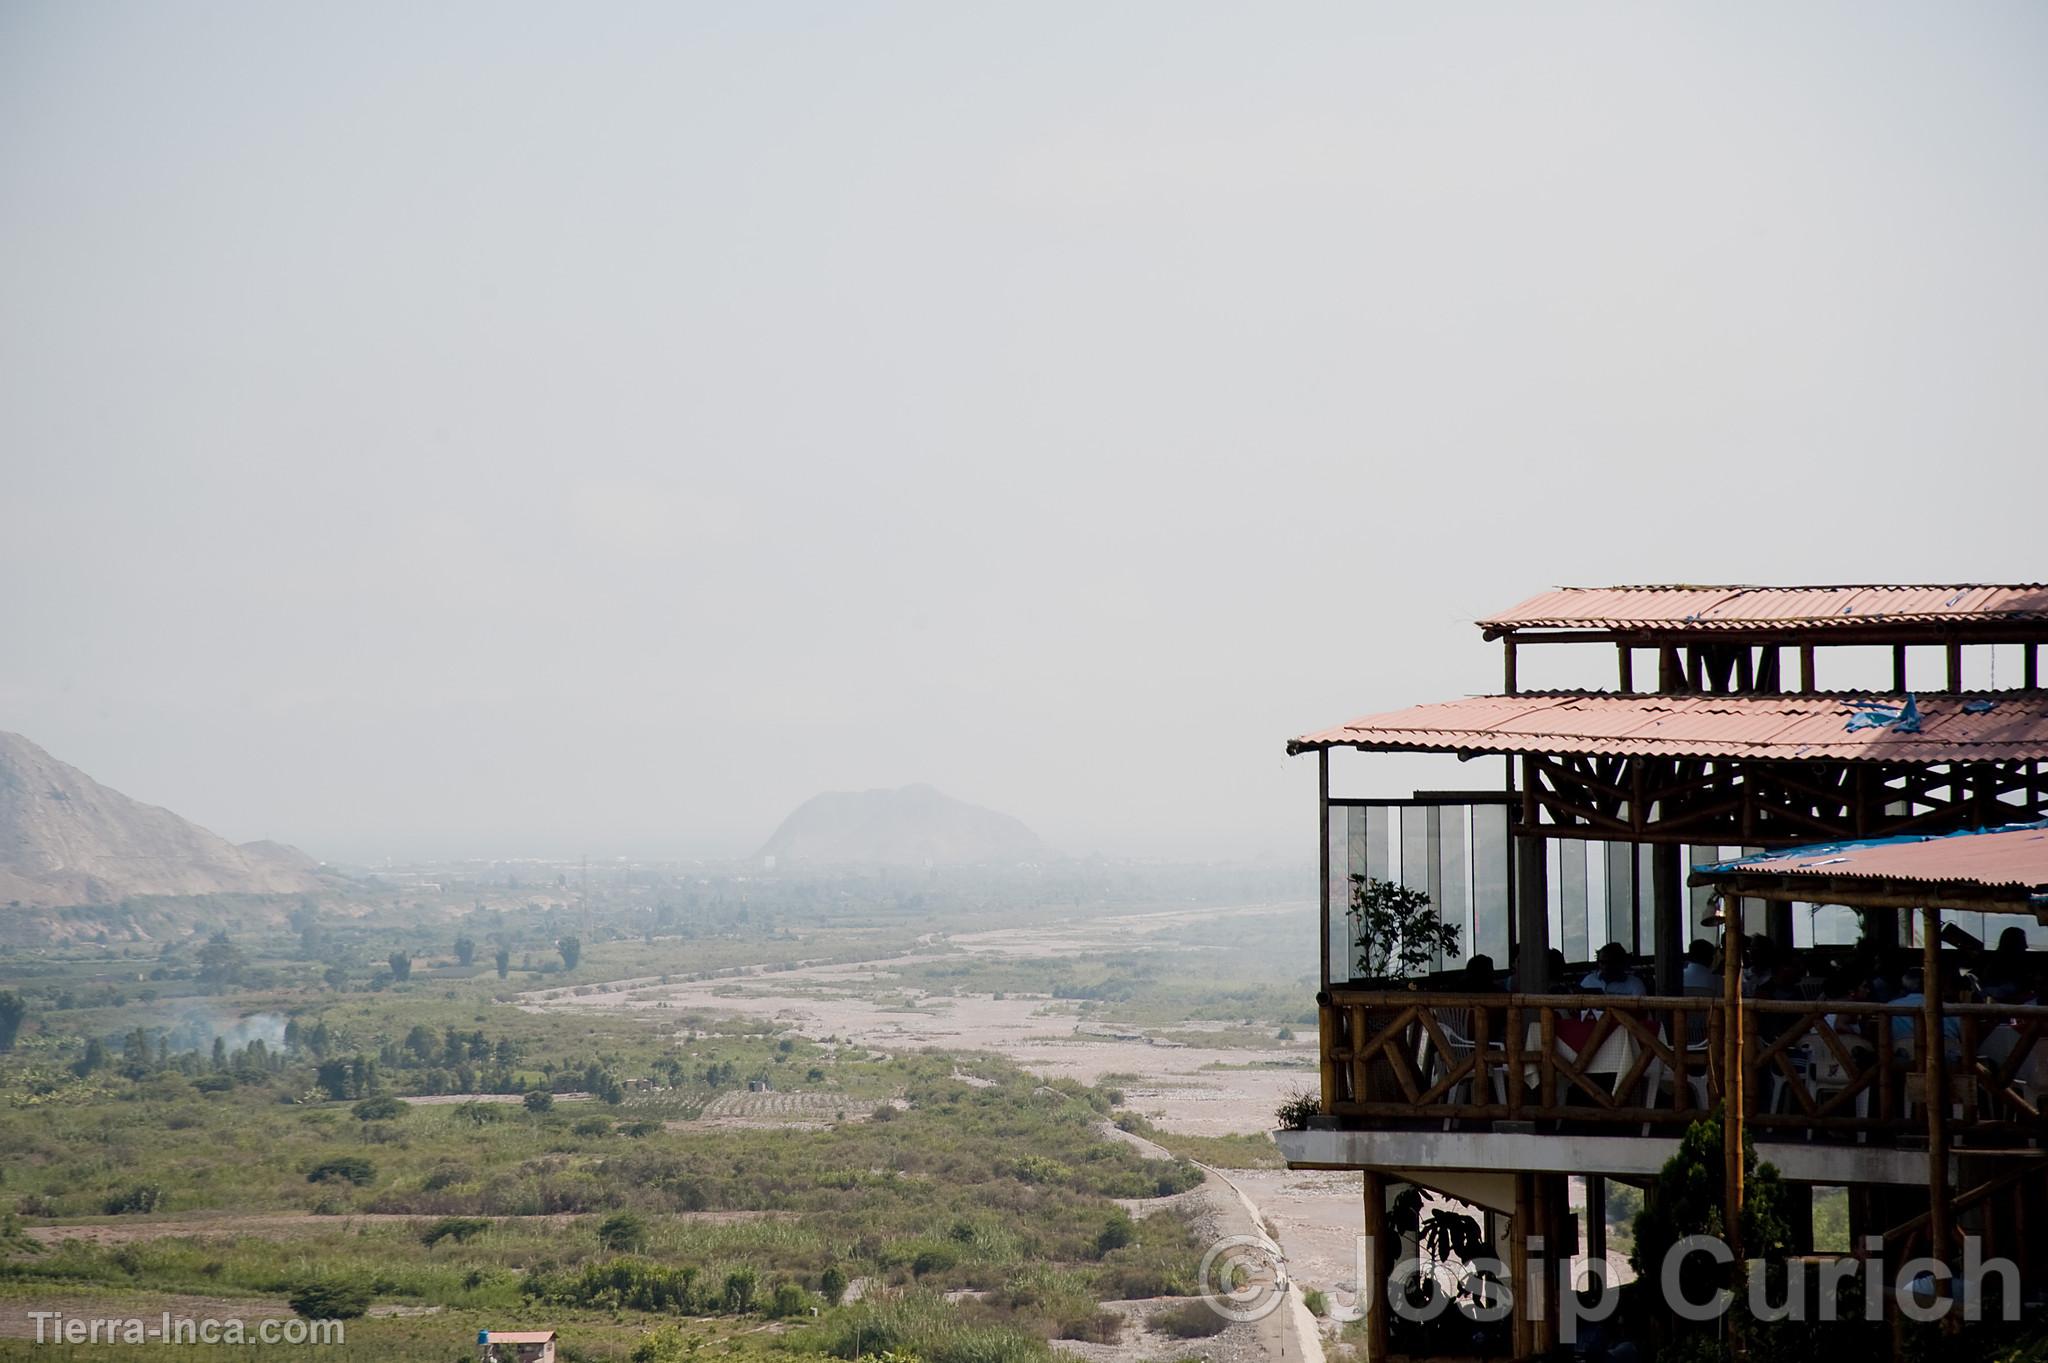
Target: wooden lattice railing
1816	1069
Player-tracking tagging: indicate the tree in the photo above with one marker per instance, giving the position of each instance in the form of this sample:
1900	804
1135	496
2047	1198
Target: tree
1394	930
504	962
95	1058
1689	1199
401	966
12	1010
572	951
220	962
832	1282
539	1100
333	1078
623	1233
741	1286
465	950
220	1052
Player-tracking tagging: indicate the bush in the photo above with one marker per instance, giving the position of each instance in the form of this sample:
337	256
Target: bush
1117	1232
1041	1169
460	1229
936	1259
140	1200
379	1109
663	1345
1193	1319
923	1325
788	1300
539	1100
592	1126
347	1169
832	1283
330	1300
1317	1301
622	1232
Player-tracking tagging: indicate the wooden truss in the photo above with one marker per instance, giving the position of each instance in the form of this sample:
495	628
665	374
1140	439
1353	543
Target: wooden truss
1770	803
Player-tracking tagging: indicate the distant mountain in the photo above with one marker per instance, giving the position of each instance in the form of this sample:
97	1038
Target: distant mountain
906	827
65	839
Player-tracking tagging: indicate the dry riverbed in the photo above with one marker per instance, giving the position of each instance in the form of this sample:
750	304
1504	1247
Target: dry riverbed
1182	1086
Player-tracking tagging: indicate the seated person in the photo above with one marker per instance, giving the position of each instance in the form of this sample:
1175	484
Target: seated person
1915	982
1759	959
1611	974
1783	982
1480	978
1701	976
1560	972
2004	972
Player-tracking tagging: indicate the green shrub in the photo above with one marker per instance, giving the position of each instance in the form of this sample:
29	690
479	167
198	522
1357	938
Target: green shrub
346	1169
623	1232
379	1109
788	1300
460	1229
538	1100
1117	1232
140	1200
330	1300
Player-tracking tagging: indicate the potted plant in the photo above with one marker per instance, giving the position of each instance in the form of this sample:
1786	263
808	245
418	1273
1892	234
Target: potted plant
1395	931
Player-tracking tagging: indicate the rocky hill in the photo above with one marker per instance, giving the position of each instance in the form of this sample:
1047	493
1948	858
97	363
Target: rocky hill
66	839
908	827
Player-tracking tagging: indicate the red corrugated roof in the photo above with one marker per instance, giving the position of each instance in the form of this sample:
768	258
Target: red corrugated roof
2016	856
1773	608
1782	728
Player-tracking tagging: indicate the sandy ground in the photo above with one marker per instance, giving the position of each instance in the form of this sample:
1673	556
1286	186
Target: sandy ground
1182	1087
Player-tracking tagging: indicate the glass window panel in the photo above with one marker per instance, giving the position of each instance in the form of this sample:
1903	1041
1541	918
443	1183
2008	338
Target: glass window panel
1419	860
1571	857
1622	919
1454	873
1492	897
1339	833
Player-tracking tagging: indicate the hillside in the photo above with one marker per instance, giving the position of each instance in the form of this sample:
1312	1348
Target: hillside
66	839
906	827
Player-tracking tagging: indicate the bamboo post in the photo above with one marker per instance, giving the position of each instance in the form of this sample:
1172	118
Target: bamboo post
1523	1343
1732	1093
1379	1261
1939	1213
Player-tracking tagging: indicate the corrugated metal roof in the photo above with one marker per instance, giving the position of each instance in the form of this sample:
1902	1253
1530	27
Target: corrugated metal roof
1772	608
1781	728
2015	856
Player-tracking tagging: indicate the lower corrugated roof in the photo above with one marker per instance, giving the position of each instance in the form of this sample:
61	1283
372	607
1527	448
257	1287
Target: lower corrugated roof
1996	727
2016	856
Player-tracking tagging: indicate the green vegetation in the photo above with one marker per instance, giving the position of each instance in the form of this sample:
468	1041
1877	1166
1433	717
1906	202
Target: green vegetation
338	1113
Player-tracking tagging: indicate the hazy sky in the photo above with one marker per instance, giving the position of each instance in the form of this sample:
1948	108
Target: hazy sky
493	428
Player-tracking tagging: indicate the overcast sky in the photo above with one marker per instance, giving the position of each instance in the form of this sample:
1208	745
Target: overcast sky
499	428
